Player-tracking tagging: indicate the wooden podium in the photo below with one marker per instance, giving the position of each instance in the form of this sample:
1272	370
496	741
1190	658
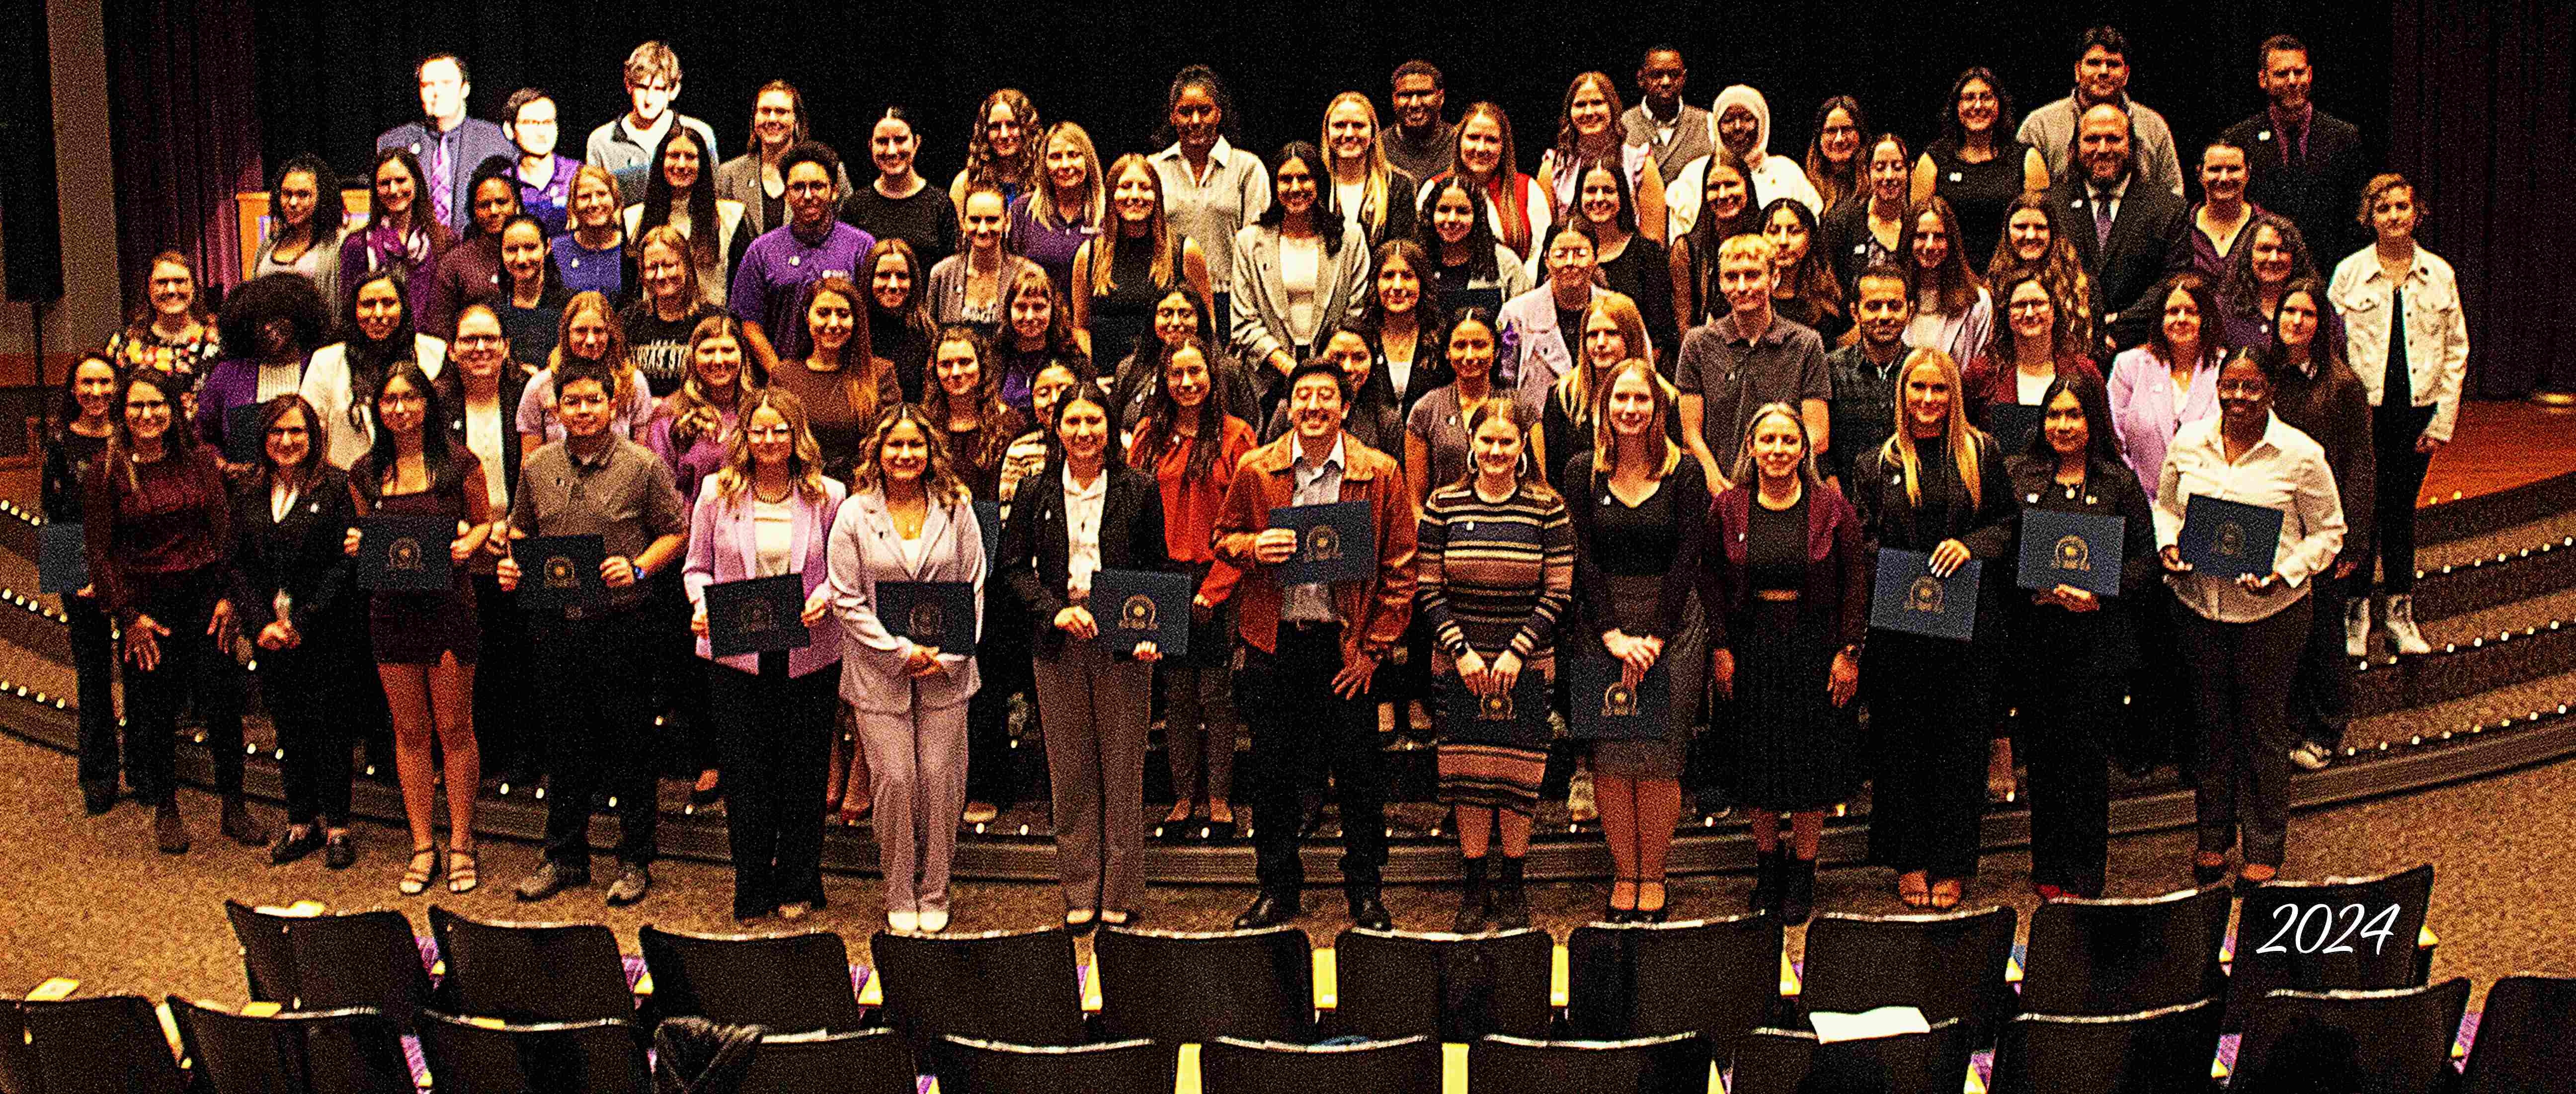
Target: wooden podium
250	212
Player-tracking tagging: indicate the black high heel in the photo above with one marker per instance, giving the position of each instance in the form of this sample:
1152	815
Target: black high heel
1611	911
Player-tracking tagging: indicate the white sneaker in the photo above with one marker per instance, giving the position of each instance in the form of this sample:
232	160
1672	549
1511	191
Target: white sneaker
903	922
934	921
2356	627
2311	756
2401	626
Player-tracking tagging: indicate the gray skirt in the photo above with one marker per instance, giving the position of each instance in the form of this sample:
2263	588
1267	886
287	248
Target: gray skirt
1634	602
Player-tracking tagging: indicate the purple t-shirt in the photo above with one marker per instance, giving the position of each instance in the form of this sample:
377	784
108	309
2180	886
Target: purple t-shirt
1051	248
777	267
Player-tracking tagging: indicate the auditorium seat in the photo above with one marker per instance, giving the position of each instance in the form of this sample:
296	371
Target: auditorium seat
2523	1045
1946	965
788	983
2340	933
971	1066
1717	977
1229	1066
333	960
1672	1064
111	1044
2163	1051
2122	956
296	1052
2391	1041
1393	984
868	1061
1785	1061
530	972
1179	987
1016	987
602	1056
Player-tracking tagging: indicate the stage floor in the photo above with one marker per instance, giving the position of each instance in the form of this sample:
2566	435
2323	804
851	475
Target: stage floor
2498	446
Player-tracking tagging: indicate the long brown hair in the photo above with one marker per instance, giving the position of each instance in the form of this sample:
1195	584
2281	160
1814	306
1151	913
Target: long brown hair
858	365
1955	285
1103	265
940	482
994	416
1509	207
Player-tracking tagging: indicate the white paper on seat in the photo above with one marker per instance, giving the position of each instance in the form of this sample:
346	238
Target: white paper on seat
1832	1026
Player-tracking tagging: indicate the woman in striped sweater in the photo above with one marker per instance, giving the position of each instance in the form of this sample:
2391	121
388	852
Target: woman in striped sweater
1496	564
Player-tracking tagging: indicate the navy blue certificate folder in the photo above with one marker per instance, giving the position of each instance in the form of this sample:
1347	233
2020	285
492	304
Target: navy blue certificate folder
760	615
2229	538
2083	550
1911	600
1517	718
1604	707
561	573
62	559
1132	606
1334	542
930	613
404	553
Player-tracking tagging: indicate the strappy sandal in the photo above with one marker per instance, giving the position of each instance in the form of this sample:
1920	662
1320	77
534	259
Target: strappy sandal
415	877
1913	890
460	870
1946	893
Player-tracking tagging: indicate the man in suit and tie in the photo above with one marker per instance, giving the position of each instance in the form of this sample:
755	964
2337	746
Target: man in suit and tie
448	144
2125	227
2303	163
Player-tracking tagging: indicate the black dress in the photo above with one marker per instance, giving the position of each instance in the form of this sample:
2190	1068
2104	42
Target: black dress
1644	273
407	628
1978	192
1635	570
1123	317
1931	699
1793	752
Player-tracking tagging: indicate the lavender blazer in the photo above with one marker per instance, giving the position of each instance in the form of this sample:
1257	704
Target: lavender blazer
865	550
2142	408
723	545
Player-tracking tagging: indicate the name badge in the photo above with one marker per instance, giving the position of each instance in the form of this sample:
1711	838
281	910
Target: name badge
795	260
2264	135
2030	499
1957	177
574	263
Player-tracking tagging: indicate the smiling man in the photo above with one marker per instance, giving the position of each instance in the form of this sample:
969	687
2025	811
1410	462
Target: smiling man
2126	232
769	286
2304	163
448	144
2102	77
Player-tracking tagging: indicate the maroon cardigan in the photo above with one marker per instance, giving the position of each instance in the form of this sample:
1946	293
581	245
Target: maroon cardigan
1984	380
1837	582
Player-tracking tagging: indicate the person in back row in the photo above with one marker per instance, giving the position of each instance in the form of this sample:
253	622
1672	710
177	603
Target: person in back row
1740	123
630	144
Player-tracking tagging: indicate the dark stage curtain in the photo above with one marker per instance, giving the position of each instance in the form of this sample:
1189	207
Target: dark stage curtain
2489	137
184	131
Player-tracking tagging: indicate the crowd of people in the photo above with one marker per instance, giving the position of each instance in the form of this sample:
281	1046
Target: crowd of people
1659	407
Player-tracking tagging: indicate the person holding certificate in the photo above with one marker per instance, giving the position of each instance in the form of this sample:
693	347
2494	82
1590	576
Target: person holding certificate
2243	635
1638	523
1496	571
426	641
1937	486
766	513
2074	642
1085	512
1312	648
1788	596
291	585
909	520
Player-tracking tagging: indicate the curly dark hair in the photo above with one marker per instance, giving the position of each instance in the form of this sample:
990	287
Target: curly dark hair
254	303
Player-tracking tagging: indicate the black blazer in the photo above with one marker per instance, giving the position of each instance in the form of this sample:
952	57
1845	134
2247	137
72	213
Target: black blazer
2144	237
300	555
1985	526
2048	639
1035	552
2320	193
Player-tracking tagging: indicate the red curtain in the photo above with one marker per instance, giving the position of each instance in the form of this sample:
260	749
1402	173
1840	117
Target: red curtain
183	131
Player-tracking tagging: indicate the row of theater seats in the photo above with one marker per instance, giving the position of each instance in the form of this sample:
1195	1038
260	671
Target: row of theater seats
2132	992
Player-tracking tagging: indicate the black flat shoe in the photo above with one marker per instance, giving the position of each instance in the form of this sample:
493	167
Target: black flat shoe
97	799
1270	909
1370	912
339	852
299	841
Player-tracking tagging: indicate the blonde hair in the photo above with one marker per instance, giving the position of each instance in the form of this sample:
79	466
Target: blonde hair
1042	195
692	409
1373	199
669	237
804	455
1740	248
1899	451
1605	440
1103	264
1744	471
1574	391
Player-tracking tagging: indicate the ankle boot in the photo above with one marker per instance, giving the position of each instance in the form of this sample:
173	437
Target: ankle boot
168	831
1797	889
238	824
1471	901
1766	882
2401	625
2356	627
1509	907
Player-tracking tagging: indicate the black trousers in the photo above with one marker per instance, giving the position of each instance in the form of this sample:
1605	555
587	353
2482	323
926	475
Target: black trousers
773	736
2321	687
2393	430
2161	727
94	668
601	736
503	728
299	687
2065	729
1002	670
1302	731
190	665
1931	715
2245	742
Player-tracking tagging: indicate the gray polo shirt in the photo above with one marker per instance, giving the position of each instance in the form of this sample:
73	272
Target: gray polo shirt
1734	375
625	496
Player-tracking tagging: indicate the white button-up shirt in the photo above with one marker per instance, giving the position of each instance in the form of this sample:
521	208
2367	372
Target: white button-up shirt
1318	484
1082	507
2286	470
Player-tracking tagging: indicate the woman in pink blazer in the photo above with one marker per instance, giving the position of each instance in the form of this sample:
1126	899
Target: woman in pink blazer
910	519
2171	380
768	512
